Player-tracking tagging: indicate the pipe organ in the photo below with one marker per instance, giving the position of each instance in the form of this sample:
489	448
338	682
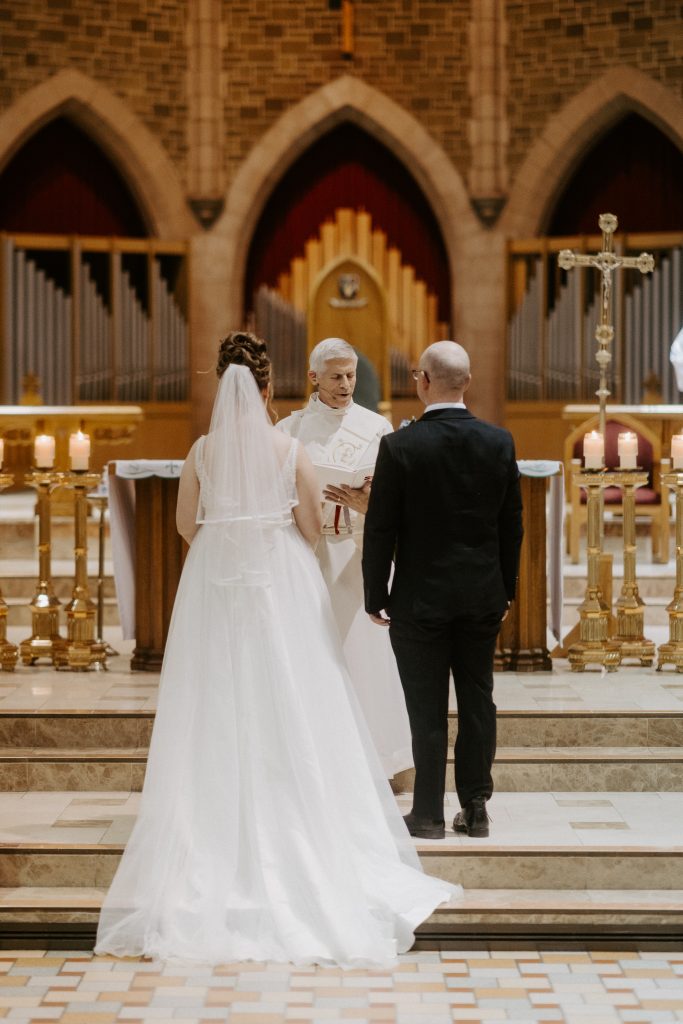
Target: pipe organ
552	317
95	319
280	313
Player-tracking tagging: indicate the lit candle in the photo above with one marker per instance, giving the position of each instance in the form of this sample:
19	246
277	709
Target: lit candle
44	451
593	450
627	446
677	451
79	450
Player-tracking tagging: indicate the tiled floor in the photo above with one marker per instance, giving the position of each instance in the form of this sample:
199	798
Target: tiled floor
424	988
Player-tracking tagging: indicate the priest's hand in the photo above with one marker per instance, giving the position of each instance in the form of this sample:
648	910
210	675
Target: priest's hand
355	498
379	619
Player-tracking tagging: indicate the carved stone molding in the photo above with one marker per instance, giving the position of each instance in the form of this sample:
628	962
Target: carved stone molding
207	211
488	208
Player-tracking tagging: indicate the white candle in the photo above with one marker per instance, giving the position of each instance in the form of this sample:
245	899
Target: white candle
79	450
44	451
2	451
677	451
627	446
593	450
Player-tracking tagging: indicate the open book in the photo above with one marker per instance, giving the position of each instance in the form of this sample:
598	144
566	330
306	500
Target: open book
335	475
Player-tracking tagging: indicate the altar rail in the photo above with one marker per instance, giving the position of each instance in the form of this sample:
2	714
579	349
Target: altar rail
552	316
95	319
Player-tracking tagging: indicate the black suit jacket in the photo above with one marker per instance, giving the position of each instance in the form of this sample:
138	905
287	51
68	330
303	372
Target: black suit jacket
445	503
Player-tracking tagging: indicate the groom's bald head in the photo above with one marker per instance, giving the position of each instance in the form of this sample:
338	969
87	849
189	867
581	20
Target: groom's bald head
447	365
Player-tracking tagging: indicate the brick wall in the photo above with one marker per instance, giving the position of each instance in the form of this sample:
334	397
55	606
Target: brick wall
278	51
558	47
416	51
135	47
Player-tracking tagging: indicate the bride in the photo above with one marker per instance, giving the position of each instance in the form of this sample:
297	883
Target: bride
266	829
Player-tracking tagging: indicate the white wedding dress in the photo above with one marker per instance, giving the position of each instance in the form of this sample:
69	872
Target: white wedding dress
266	829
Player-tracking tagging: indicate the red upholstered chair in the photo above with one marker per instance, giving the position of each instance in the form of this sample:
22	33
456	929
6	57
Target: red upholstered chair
651	500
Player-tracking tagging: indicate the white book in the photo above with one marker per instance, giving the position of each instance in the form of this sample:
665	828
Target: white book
335	475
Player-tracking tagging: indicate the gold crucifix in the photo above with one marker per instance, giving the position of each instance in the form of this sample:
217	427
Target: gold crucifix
606	262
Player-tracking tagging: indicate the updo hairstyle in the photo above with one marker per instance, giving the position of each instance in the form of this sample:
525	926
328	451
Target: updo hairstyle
245	349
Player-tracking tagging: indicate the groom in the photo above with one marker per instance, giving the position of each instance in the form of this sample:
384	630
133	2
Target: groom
445	502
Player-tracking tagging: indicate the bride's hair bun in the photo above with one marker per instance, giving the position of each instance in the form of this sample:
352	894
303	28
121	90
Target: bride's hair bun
245	349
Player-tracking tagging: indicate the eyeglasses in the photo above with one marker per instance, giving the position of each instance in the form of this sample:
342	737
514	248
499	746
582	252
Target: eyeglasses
416	374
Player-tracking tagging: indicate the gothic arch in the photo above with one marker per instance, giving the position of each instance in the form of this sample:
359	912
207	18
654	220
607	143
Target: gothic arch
345	99
141	159
555	153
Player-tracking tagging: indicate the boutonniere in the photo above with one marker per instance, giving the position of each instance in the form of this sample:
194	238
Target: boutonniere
407	423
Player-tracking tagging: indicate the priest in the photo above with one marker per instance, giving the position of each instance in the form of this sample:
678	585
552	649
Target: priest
342	437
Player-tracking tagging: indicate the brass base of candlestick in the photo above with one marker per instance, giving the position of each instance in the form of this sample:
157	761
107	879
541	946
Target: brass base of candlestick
82	651
594	647
671	652
633	644
45	642
642	651
605	653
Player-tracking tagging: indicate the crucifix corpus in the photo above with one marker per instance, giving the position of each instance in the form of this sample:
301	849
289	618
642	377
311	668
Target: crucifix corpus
606	262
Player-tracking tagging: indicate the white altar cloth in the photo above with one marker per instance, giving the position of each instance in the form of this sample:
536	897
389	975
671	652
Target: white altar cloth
121	474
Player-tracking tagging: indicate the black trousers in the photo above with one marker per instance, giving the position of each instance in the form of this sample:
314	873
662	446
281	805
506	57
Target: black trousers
425	656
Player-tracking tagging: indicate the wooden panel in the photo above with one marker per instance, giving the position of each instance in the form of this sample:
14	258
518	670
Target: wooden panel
522	638
158	564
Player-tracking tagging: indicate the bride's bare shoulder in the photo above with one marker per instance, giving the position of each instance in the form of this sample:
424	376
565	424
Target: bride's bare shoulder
282	442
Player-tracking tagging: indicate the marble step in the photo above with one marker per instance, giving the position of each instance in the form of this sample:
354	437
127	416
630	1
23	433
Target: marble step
517	769
555	841
480	864
95	727
529	908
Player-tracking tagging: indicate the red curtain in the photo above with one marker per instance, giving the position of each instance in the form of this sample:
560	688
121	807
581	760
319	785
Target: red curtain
61	182
348	168
633	171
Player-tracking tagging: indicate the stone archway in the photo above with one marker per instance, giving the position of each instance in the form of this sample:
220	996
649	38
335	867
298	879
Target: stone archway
345	99
555	153
142	161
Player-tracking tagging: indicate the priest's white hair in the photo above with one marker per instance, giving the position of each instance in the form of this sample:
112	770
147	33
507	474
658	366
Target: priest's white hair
327	349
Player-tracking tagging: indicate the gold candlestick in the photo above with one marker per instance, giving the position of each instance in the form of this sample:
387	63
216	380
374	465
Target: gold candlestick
100	500
630	606
45	640
82	650
593	645
671	653
9	653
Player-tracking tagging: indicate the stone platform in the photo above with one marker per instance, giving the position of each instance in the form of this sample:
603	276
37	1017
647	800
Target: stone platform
587	830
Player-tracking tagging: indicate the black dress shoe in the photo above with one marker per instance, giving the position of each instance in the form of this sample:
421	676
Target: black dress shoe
424	828
473	820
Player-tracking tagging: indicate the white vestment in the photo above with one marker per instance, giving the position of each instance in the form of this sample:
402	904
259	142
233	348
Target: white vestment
676	357
350	438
